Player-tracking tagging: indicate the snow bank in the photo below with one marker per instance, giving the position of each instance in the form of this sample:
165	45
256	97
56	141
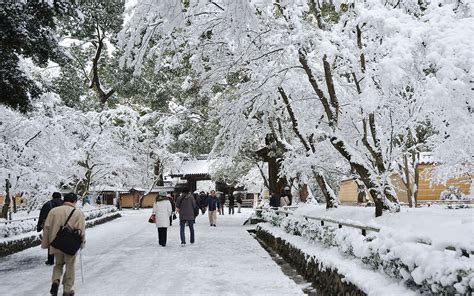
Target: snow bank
410	246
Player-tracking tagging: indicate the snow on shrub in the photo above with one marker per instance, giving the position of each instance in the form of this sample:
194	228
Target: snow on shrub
452	193
420	266
16	228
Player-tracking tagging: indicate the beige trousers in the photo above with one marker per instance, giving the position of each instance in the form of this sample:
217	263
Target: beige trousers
212	217
69	275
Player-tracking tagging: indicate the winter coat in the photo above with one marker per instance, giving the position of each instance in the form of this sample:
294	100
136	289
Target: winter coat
284	201
48	206
56	219
185	206
162	210
274	201
239	199
202	201
231	200
221	200
212	203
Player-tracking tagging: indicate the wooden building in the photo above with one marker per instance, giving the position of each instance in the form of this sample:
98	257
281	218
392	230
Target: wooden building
427	189
132	198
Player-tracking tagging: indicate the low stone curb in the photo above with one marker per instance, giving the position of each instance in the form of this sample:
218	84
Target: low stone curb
327	281
15	246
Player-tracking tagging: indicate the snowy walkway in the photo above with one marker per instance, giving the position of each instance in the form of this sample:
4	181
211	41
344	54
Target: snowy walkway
123	257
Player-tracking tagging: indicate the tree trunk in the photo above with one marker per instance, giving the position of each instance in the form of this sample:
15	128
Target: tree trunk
6	204
361	193
407	181
330	197
303	192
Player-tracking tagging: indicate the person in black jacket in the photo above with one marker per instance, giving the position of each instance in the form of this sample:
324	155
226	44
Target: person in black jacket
48	206
202	201
221	203
231	203
274	200
173	208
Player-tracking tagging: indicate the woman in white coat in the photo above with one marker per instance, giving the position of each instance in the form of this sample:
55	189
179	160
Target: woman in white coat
162	211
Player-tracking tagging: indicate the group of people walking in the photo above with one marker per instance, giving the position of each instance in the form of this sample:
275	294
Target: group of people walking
60	216
188	206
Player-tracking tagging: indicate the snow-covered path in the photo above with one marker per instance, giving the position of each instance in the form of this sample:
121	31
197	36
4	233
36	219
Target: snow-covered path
123	257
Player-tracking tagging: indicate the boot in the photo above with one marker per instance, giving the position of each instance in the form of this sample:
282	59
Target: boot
71	293
54	288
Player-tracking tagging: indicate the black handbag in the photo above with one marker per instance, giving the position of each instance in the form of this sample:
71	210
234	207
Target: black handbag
68	240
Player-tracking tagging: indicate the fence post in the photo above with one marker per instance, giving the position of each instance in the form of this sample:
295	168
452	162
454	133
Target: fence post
364	232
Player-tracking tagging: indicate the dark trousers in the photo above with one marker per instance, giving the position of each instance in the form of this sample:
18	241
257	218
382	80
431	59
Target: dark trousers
231	209
162	232
221	210
50	257
182	224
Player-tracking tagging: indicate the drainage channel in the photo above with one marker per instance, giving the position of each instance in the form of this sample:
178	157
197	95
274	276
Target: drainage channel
288	270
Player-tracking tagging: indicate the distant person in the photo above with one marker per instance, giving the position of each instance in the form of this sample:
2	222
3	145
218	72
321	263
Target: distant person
221	203
47	207
284	199
239	202
173	208
288	193
213	205
274	200
231	203
202	201
75	221
185	206
162	210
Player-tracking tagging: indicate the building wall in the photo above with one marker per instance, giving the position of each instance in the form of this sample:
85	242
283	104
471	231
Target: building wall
428	191
348	190
18	200
128	200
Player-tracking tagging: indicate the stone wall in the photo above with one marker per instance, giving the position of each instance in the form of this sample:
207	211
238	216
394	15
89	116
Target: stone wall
13	246
326	281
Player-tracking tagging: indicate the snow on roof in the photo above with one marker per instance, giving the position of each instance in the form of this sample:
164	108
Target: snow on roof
426	157
100	188
193	167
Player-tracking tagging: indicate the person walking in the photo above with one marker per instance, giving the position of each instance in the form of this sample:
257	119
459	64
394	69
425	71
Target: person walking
212	206
45	209
221	203
74	219
202	201
231	203
274	200
185	206
162	210
284	200
239	202
173	208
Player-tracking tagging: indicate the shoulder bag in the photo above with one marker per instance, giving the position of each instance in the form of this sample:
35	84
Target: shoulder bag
67	240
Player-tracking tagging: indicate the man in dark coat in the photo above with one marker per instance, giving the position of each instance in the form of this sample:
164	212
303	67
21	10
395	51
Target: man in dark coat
186	206
48	206
231	203
221	203
202	201
274	200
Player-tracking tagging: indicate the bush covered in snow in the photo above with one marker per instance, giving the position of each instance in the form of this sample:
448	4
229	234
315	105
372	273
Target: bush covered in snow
19	227
452	193
418	265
